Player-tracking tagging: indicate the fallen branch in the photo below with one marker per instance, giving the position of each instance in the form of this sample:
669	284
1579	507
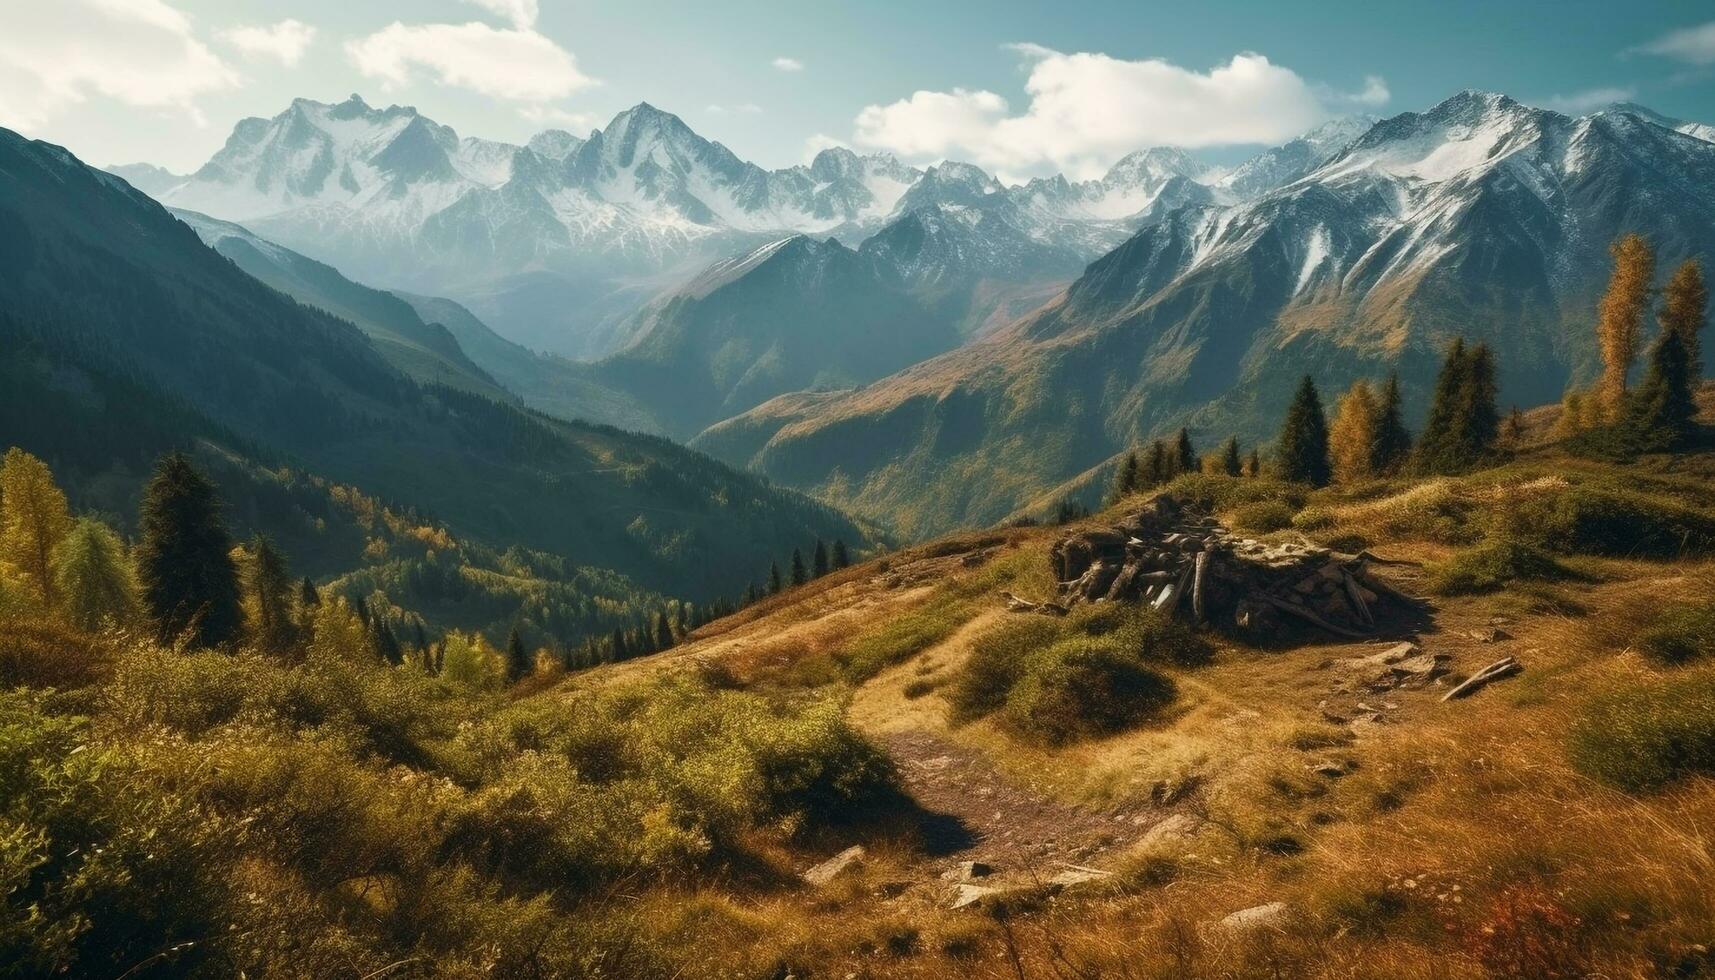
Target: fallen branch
1018	604
1504	667
1309	617
1375	582
1357	598
1199	575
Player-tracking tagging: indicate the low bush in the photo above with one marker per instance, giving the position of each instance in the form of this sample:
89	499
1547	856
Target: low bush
1646	736
998	658
40	653
1263	517
1084	687
1606	521
1138	630
1680	634
900	639
1493	564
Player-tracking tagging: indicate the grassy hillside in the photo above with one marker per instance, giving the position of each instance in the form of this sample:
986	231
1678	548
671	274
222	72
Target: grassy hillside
1266	810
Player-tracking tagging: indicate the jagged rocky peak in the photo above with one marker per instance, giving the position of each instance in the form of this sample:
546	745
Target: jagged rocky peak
1155	165
554	144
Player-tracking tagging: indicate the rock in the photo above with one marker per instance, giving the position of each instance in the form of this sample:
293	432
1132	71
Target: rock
1171	830
1327	769
1273	916
967	895
1072	877
967	870
833	867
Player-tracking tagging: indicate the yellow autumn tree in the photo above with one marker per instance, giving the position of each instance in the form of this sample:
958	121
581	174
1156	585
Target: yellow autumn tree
1684	309
1574	413
1620	316
1352	437
34	520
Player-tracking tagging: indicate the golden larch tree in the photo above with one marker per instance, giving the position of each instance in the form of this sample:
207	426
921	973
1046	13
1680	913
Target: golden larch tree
34	520
1684	309
1351	439
1620	317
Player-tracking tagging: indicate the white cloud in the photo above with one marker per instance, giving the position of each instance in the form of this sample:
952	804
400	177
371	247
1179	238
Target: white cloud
1087	110
742	109
788	64
520	65
1374	94
542	115
1695	45
521	14
1578	103
284	42
142	53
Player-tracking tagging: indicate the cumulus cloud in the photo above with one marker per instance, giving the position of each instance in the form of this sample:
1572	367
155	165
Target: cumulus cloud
788	64
1374	94
1694	45
742	109
141	53
284	42
1578	103
819	142
519	65
521	14
542	115
1086	110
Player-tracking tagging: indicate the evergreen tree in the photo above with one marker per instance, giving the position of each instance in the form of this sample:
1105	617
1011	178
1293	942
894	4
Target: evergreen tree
1352	436
1392	448
663	632
1253	465
1185	456
94	578
34	520
1304	438
750	595
1685	309
799	576
819	561
617	645
1514	433
385	642
190	586
1663	409
1159	468
308	597
1574	414
1620	317
841	558
774	583
1231	464
1464	421
1125	481
268	597
518	660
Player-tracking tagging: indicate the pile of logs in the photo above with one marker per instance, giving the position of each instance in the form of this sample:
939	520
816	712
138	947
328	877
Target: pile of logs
1182	561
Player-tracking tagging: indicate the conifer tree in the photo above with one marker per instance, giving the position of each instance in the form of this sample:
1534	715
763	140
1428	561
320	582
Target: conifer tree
34	520
190	586
1231	464
94	578
774	584
307	594
1574	414
1620	317
842	559
1185	455
1392	447
1463	419
799	576
1663	409
663	631
617	645
1125	481
385	642
750	595
1304	438
1514	431
518	662
1352	436
819	560
1685	309
1159	468
268	597
1253	465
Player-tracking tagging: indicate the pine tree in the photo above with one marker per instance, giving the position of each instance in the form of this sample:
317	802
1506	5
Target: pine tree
1159	468
1574	414
1620	317
1663	409
1464	421
1185	455
94	579
1231	464
190	586
1685	309
819	561
774	584
34	520
1126	480
1253	465
663	632
1392	448
308	597
1514	432
385	642
1304	438
750	595
617	645
841	558
268	597
799	576
518	661
1352	436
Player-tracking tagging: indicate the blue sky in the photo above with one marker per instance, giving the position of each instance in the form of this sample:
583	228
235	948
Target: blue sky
1022	88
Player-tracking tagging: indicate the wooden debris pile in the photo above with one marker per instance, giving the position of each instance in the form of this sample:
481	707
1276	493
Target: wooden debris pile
1183	561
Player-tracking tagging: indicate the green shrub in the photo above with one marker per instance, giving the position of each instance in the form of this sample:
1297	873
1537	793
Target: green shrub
1680	634
998	658
1493	564
41	653
1084	687
1149	635
1313	519
1263	517
902	638
1603	521
1646	736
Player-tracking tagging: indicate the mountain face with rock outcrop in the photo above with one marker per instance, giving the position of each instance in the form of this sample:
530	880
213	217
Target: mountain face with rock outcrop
1481	217
560	242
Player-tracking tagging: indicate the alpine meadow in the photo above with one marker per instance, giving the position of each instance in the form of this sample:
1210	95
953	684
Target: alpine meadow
1104	491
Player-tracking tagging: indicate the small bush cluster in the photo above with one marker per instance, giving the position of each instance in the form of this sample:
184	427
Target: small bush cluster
1643	737
1610	521
1680	634
1493	564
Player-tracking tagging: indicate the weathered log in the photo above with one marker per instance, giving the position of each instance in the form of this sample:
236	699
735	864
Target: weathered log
1166	596
1198	576
1504	667
1375	584
1301	612
1357	598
